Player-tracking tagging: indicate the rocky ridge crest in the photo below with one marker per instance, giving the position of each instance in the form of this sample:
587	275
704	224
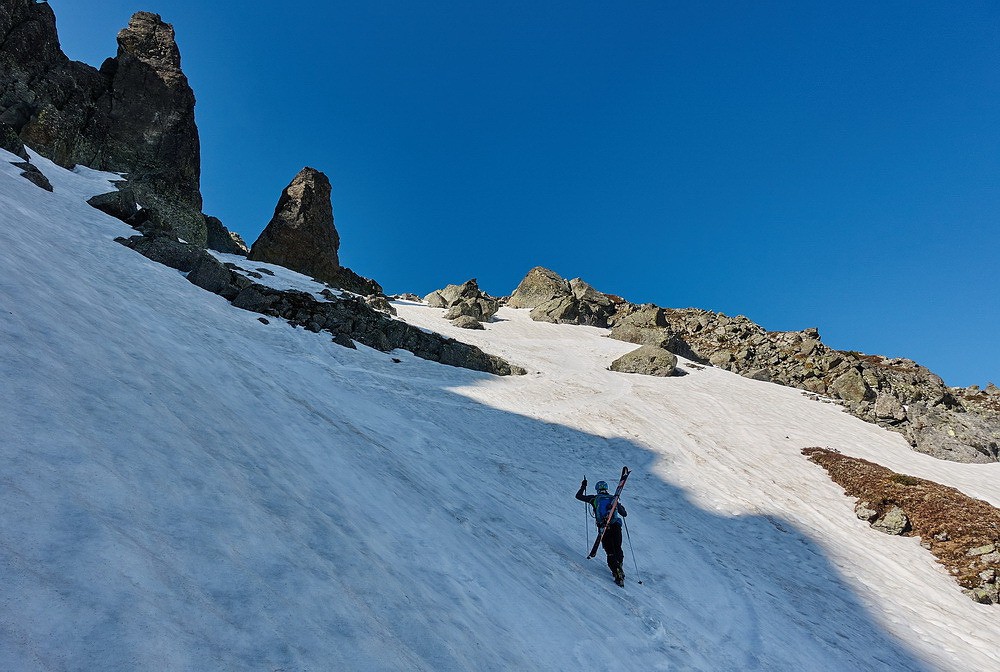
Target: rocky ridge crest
949	423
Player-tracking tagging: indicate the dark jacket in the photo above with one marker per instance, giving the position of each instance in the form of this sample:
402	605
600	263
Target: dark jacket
620	509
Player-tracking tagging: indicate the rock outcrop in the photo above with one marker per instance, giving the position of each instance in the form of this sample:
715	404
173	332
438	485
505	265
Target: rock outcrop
301	235
553	299
539	286
464	301
347	318
135	115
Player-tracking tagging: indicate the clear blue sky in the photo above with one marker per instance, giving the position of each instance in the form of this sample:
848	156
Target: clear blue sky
803	163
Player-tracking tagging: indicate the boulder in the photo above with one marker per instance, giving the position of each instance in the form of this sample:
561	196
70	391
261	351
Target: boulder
893	521
466	322
453	294
648	360
851	386
478	309
211	274
119	204
561	309
435	300
953	434
645	316
888	408
381	304
538	286
865	512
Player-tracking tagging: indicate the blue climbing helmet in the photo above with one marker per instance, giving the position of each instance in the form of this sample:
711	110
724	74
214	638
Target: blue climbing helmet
602	486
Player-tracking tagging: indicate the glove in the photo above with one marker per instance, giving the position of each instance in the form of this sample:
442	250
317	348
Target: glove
583	485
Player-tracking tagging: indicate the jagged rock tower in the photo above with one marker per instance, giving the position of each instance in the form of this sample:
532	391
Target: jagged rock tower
301	235
135	115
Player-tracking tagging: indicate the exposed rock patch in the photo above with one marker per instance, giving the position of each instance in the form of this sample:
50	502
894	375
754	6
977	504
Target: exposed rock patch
955	424
347	317
961	532
31	173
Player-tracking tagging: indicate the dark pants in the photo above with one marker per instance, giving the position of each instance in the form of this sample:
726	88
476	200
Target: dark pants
612	543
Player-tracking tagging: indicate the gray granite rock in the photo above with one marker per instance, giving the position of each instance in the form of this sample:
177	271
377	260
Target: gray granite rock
538	286
467	322
647	360
893	521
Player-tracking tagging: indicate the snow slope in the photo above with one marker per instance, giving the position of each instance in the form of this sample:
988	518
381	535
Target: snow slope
185	488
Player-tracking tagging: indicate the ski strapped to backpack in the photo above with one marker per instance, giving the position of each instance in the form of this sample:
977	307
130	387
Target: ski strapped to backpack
611	513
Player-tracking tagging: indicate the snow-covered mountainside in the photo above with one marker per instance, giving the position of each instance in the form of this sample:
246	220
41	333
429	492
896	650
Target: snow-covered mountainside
187	488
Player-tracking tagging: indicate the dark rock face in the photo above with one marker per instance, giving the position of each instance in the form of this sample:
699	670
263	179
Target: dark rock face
10	141
301	235
346	318
345	278
221	239
151	127
166	250
119	204
135	115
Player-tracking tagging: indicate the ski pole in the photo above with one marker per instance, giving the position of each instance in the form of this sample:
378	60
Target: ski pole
586	523
629	537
